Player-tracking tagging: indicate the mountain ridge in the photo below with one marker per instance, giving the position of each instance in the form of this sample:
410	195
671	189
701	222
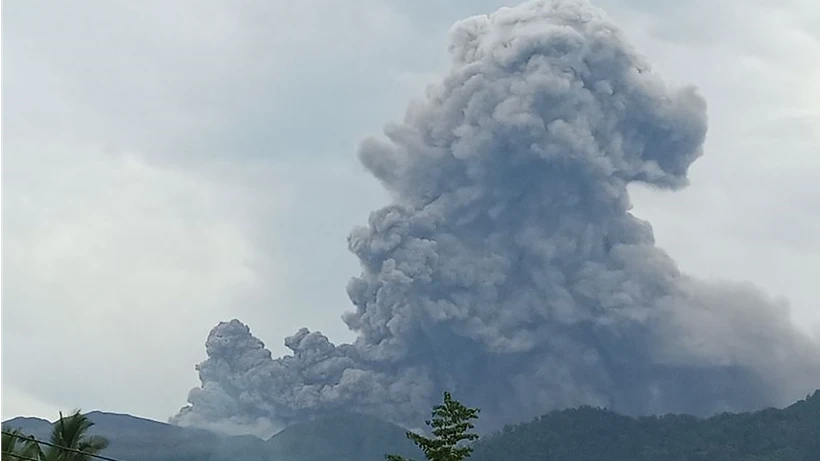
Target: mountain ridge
581	434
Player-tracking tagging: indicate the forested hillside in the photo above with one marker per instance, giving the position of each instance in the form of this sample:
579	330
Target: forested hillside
587	434
583	434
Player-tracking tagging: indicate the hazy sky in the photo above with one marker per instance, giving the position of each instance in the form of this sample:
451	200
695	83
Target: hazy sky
167	165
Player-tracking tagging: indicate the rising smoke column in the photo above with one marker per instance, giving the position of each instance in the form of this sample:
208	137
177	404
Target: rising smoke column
508	268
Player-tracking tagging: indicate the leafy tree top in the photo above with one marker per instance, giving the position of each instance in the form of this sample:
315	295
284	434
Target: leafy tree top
451	425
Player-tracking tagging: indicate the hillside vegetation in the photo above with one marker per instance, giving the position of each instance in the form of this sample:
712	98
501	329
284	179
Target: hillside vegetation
583	434
587	434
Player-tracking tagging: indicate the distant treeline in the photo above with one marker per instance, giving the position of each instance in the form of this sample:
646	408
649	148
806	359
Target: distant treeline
590	434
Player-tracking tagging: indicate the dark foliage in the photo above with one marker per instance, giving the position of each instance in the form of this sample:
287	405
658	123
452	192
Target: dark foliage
451	426
587	434
584	434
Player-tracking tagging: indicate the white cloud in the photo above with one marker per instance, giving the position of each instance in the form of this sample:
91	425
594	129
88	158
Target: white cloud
115	270
17	402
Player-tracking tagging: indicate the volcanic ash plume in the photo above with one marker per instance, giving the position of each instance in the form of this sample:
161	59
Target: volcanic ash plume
508	268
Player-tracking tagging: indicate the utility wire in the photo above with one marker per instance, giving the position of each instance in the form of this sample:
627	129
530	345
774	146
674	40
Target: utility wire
72	450
25	458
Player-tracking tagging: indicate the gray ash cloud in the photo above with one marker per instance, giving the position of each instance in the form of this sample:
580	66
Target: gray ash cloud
508	268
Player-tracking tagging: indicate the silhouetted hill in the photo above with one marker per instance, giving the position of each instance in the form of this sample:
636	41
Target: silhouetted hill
587	434
583	434
138	439
341	437
37	427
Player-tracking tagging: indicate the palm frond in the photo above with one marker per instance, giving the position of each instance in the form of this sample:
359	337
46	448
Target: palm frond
18	443
71	432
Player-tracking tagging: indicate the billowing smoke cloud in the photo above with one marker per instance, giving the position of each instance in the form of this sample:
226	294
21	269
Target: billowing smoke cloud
508	268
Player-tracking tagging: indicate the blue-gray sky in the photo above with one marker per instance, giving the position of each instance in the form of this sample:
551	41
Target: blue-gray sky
170	165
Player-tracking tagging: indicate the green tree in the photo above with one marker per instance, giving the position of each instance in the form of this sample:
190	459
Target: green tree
72	432
18	445
450	426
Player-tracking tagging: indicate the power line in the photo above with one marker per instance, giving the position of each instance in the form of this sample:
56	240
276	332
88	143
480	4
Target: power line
49	444
25	458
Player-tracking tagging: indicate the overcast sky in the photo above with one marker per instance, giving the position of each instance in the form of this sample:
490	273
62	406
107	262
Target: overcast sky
171	164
